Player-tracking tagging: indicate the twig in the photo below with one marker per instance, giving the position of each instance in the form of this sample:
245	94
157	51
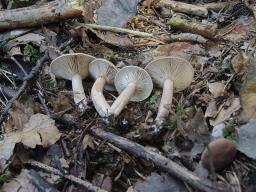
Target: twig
115	29
184	37
184	7
72	178
24	85
160	161
19	65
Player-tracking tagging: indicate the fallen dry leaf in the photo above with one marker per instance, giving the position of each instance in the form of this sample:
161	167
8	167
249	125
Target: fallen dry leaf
246	139
39	130
238	30
248	93
88	142
196	128
225	113
216	88
20	114
239	62
113	38
179	49
211	110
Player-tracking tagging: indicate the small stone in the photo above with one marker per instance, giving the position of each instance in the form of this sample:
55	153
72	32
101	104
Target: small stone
217	131
223	153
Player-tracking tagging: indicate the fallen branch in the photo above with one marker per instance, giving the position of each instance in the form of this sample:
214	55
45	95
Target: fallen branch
159	160
183	37
34	16
206	30
184	7
71	178
24	85
114	29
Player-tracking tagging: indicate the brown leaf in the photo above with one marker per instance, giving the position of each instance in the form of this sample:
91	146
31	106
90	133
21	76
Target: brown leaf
239	62
238	30
39	130
113	38
196	129
248	93
216	88
20	114
211	110
225	113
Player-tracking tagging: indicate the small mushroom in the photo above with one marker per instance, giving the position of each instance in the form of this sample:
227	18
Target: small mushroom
169	73
221	151
74	67
133	84
104	73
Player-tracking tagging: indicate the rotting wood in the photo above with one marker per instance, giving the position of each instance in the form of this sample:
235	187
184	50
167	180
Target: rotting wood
36	16
114	29
71	178
184	7
183	37
35	70
160	161
184	24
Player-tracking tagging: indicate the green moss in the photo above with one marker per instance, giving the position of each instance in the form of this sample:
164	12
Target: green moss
229	134
31	52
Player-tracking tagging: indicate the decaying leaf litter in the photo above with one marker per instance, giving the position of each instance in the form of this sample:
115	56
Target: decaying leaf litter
43	129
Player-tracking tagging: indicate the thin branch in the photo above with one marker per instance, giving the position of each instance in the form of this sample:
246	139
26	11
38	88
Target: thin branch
115	29
160	161
72	178
27	80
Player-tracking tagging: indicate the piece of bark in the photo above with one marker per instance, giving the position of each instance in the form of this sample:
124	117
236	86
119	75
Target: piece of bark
159	160
184	7
206	30
34	16
183	37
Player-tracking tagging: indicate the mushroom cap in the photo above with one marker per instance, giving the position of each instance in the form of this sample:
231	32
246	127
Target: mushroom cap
179	70
133	74
66	66
103	68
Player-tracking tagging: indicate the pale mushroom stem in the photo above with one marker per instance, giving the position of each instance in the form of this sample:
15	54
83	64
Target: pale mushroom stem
78	91
98	99
122	99
166	102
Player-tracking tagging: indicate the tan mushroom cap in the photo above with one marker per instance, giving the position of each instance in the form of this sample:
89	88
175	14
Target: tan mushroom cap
179	70
66	66
133	74
103	68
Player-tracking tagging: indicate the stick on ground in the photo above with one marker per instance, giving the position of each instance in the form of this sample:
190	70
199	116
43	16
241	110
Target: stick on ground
206	30
184	7
34	16
115	29
160	161
72	178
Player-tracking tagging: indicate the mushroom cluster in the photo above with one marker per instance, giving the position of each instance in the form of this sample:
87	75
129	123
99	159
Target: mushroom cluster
131	82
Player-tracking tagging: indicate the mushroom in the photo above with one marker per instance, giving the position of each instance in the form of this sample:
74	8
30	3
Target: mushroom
169	73
133	84
74	67
104	72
